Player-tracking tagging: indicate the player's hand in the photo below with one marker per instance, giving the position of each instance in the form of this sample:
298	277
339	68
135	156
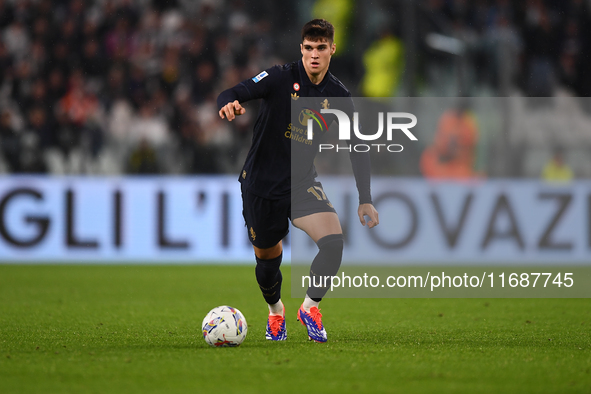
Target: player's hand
231	110
368	210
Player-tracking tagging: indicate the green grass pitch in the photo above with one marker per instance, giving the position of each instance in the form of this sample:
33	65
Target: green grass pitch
136	329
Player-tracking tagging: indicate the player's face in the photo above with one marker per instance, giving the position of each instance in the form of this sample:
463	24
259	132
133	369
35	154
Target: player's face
316	55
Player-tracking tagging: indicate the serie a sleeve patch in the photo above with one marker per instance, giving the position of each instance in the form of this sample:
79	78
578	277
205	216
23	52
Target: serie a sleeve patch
260	76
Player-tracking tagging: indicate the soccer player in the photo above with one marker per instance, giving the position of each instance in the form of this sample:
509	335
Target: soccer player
269	201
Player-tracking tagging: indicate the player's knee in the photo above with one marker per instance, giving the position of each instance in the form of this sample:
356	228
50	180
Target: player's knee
269	264
332	244
268	253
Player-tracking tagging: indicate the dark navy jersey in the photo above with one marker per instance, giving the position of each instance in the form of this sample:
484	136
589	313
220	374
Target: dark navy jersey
267	171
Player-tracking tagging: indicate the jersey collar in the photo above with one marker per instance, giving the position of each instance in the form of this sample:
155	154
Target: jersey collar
306	81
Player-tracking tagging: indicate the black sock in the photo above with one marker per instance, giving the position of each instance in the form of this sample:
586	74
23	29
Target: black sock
269	278
326	264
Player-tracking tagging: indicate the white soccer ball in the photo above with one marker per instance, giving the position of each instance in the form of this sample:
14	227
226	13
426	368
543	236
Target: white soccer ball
224	326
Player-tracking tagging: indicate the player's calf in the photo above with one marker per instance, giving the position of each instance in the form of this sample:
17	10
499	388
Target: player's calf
326	264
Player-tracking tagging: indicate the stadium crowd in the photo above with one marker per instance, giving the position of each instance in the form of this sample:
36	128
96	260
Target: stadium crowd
129	86
537	44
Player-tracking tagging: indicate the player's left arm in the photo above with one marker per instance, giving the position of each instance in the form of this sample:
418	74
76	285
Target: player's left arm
360	161
370	211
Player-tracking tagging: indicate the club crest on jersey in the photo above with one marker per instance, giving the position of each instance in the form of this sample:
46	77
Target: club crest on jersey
259	77
296	86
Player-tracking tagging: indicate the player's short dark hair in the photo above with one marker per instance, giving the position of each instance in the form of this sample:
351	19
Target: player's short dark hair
317	30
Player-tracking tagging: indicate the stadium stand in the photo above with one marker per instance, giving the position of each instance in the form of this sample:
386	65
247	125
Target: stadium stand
85	83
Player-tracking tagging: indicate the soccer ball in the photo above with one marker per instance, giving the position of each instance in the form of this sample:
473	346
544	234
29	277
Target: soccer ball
224	326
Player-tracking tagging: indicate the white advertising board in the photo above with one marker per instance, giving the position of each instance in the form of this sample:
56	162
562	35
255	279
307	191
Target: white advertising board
139	219
476	222
199	220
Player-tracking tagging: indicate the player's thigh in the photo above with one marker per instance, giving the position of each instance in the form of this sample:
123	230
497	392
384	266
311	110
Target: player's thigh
319	225
312	212
267	221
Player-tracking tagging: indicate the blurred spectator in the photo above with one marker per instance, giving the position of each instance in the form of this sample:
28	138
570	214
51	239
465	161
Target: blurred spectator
9	142
37	57
202	158
453	152
67	135
214	131
61	57
120	120
31	155
70	35
224	55
384	64
204	81
570	58
137	85
504	45
556	169
16	39
340	14
118	42
163	5
115	85
93	62
170	71
182	114
41	32
6	13
198	49
541	46
37	97
148	126
56	87
37	137
143	160
78	103
23	82
147	41
39	125
5	64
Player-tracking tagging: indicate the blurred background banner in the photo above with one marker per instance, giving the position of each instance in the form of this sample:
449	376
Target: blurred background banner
143	220
467	223
198	220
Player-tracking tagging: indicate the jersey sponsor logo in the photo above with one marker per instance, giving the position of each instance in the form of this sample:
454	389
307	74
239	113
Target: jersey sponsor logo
307	115
259	77
296	86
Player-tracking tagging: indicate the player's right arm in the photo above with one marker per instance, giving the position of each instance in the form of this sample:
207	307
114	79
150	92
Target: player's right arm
259	86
